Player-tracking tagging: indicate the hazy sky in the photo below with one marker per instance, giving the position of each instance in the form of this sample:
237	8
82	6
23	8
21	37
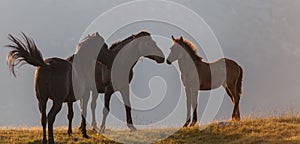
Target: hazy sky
262	36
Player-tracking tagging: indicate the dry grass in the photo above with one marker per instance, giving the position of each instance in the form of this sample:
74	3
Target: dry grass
253	131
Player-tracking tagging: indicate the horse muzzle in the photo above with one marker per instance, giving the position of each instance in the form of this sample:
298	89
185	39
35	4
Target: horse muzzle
169	62
157	59
160	59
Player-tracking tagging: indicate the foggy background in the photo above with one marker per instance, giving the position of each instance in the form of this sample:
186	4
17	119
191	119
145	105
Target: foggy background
262	36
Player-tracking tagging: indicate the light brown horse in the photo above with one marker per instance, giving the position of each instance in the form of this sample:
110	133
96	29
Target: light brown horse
118	77
198	75
53	78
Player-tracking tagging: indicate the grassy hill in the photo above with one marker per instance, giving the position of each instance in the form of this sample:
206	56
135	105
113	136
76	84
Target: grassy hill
253	131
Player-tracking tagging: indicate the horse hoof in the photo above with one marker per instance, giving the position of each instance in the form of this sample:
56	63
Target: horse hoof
133	129
85	136
235	119
95	129
102	129
222	124
51	141
94	125
44	141
69	132
193	124
185	126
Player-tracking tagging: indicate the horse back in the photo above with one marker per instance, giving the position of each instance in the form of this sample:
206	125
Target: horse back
54	80
215	74
233	70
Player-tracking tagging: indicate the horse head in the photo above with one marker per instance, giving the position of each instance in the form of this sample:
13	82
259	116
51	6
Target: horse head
148	48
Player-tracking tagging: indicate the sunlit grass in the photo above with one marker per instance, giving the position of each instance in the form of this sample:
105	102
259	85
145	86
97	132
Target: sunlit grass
259	130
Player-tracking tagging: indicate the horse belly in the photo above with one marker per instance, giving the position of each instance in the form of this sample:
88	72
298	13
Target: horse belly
70	97
210	87
209	83
99	80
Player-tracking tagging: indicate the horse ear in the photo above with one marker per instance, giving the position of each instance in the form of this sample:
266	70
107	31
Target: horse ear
97	34
173	37
181	39
89	35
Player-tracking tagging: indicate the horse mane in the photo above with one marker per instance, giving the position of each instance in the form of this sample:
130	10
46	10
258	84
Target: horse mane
190	48
86	39
81	42
70	58
122	43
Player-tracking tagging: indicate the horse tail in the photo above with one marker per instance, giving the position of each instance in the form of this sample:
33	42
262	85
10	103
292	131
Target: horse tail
23	52
239	82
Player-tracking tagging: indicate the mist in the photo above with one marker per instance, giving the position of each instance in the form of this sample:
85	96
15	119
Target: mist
262	36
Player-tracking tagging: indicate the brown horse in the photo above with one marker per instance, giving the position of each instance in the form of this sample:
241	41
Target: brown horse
137	45
198	75
140	44
53	79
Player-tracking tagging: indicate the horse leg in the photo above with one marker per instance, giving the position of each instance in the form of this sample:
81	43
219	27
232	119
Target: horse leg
56	107
188	107
231	91
70	117
93	108
237	108
126	100
42	108
107	96
238	93
194	101
84	102
42	94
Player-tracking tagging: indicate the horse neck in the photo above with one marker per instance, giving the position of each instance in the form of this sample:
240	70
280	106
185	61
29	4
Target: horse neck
105	56
187	63
185	60
127	50
70	58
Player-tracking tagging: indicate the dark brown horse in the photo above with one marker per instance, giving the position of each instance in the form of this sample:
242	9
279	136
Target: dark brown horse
198	75
53	79
138	45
